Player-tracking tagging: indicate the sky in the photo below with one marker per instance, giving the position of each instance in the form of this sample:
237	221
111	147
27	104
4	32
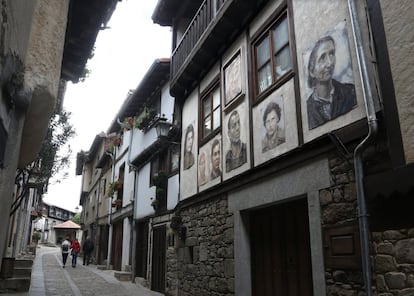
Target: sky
123	54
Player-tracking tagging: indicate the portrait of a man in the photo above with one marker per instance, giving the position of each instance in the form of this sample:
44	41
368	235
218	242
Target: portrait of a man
275	134
330	98
188	147
215	159
237	154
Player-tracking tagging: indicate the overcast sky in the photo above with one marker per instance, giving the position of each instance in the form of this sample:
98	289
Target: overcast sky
123	54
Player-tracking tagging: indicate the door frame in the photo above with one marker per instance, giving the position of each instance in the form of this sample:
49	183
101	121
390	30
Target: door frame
287	185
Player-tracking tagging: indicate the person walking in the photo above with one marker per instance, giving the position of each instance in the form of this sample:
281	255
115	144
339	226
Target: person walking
87	249
65	250
75	246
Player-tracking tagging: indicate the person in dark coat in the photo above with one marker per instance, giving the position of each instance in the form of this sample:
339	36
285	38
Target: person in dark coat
330	98
87	249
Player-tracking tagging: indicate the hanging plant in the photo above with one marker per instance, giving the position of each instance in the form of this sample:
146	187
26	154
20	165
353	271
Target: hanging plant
128	123
160	179
155	203
160	192
117	141
114	186
145	118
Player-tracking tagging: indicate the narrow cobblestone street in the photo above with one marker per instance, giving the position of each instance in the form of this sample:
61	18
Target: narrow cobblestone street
49	278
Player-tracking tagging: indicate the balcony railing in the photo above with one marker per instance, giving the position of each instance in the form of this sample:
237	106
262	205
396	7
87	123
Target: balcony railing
195	30
215	25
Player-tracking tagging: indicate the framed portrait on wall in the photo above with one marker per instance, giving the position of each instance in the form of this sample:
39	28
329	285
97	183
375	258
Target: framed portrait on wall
232	80
210	164
329	99
236	152
274	124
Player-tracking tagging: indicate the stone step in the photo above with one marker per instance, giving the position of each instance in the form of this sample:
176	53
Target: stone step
23	263
22	272
122	275
14	285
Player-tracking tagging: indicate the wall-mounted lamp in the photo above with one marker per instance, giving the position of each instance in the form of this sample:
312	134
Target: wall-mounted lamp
162	127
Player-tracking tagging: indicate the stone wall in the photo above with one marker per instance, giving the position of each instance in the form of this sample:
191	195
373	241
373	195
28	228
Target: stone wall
339	207
394	262
206	258
400	42
171	272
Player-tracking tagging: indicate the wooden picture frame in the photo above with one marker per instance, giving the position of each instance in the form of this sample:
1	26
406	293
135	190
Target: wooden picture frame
232	79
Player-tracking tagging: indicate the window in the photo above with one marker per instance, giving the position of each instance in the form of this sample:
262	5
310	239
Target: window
211	111
157	164
174	155
272	55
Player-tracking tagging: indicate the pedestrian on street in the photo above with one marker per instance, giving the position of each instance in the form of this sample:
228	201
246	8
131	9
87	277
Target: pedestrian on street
75	246
87	249
65	250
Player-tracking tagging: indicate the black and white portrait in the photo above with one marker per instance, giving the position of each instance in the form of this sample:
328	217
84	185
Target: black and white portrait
329	78
188	161
215	159
232	79
203	171
237	154
273	132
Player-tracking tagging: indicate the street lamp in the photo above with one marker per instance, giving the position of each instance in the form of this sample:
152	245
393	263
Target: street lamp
162	127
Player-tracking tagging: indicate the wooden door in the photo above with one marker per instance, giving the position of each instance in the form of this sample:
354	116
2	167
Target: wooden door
117	236
103	243
142	249
158	259
280	251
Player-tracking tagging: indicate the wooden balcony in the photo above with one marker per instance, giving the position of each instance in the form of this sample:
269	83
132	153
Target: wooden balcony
216	24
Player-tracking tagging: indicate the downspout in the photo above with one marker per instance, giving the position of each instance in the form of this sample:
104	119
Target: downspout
111	229
358	164
134	208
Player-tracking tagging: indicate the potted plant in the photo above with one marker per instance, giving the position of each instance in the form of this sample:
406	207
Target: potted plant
160	179
145	118
117	141
160	192
111	188
36	237
154	203
128	123
115	186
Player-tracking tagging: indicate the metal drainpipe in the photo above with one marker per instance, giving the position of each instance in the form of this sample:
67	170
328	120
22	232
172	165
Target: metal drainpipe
358	164
111	228
134	224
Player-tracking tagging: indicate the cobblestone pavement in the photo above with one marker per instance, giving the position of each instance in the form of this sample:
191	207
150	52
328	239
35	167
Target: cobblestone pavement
50	279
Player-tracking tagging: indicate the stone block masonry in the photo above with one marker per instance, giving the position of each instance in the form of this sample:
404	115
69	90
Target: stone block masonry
394	262
205	261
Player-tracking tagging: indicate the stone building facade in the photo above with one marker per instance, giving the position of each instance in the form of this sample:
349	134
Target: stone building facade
311	185
205	263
